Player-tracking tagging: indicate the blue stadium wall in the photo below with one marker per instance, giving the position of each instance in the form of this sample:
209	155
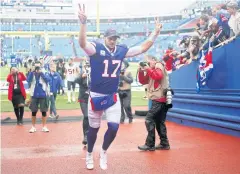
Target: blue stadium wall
217	106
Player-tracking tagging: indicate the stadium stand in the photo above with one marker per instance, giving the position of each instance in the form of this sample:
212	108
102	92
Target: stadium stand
215	108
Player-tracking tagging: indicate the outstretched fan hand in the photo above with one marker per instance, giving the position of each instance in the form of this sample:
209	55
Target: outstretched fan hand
158	26
81	14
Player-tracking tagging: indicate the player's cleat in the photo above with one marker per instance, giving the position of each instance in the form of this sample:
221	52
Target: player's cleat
103	160
89	161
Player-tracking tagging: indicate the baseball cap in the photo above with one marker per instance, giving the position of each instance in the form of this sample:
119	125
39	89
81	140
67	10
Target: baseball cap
111	33
232	4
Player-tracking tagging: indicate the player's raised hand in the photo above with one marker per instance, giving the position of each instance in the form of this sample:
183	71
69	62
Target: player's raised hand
158	26
81	14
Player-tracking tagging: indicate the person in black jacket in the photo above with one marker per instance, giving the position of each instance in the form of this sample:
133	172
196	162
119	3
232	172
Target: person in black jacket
83	80
61	71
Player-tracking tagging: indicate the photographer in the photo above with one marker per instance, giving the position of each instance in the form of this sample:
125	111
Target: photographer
158	83
125	92
83	80
28	65
61	71
39	92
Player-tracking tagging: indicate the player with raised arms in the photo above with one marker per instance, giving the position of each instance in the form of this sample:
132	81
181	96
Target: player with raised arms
105	63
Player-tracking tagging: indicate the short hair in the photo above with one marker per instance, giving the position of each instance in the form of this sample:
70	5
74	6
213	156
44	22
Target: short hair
13	67
224	6
152	57
205	18
36	62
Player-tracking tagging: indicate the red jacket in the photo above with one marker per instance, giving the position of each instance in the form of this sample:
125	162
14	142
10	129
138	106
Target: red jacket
168	59
155	74
10	80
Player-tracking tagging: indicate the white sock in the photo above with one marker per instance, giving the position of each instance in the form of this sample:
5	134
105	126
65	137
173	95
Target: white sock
69	96
103	151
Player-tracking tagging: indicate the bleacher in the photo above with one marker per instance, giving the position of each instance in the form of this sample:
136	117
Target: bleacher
133	33
63	46
133	27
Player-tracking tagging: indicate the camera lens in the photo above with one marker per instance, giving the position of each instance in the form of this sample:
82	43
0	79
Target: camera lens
120	84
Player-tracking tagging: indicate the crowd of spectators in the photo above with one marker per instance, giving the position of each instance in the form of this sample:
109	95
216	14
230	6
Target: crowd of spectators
211	31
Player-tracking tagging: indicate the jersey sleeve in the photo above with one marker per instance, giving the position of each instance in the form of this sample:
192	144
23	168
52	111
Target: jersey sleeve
124	49
90	48
98	47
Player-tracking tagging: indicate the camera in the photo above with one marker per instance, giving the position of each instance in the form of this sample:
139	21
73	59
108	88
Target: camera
143	64
30	61
60	60
87	69
121	81
169	95
198	26
120	84
122	72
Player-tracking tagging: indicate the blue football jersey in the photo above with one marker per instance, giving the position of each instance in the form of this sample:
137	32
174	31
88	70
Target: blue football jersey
105	68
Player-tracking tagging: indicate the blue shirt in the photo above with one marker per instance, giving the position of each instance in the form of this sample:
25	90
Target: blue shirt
55	82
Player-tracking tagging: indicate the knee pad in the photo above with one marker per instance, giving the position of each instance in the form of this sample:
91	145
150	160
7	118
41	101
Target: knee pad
44	114
34	114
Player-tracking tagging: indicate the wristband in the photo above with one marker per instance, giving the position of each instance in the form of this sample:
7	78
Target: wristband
84	22
152	37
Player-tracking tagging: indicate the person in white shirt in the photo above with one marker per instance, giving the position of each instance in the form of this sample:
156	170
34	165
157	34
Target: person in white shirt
71	72
234	21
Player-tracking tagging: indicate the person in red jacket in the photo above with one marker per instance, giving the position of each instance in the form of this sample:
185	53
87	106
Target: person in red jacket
17	93
168	58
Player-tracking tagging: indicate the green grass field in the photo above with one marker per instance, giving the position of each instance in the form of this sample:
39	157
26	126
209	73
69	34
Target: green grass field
61	103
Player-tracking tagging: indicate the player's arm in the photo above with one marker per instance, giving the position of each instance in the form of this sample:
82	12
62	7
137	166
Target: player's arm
82	39
134	51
